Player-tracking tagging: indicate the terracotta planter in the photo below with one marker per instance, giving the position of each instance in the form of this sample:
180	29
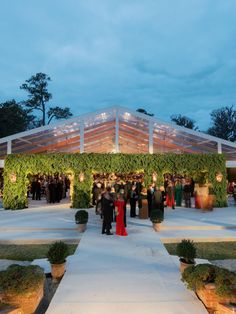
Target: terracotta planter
210	299
210	203
226	308
58	270
157	226
81	227
184	265
26	303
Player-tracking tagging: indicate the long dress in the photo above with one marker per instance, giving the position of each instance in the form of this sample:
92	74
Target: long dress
158	201
133	199
120	226
170	196
178	194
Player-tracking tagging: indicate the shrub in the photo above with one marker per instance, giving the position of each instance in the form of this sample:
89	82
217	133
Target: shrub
197	276
81	217
58	252
186	250
224	282
81	198
21	279
157	216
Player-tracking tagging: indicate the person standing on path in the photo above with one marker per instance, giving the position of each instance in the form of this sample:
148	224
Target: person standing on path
120	211
107	204
178	193
150	192
133	200
157	200
170	195
187	194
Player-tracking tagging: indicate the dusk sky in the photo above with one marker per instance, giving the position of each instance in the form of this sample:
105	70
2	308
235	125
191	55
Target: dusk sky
169	56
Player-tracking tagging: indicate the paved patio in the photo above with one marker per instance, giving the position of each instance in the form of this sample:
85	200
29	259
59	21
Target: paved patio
114	274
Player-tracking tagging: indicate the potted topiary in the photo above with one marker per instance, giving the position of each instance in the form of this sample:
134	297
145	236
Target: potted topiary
56	255
81	218
212	284
186	251
22	287
156	217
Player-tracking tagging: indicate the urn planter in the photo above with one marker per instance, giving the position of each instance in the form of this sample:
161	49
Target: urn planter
22	288
157	226
81	227
56	255
184	265
186	251
26	303
81	219
211	300
212	284
226	308
58	270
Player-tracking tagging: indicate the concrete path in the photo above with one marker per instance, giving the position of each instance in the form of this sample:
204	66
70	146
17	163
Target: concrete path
112	274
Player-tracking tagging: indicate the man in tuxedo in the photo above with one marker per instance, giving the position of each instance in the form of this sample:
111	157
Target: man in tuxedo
107	204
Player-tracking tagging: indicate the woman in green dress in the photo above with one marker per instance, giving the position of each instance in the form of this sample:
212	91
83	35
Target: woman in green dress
178	193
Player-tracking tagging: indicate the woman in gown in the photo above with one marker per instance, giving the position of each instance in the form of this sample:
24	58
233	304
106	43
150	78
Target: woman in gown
170	195
178	193
119	208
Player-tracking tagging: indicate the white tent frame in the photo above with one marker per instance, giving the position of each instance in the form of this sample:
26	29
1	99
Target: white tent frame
117	110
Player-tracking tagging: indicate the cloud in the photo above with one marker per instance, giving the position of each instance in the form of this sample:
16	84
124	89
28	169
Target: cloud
165	56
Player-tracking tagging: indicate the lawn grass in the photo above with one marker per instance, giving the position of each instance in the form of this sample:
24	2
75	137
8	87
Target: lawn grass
209	250
28	252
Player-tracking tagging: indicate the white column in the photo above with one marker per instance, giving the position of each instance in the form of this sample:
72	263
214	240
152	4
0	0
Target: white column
150	146
219	147
8	147
117	149
81	136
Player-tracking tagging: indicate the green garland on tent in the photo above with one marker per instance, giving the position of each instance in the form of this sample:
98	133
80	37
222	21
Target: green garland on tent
21	166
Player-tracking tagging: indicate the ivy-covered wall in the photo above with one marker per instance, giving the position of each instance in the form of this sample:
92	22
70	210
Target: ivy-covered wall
18	167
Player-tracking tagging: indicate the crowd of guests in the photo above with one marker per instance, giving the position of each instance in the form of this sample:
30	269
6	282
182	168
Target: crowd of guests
54	188
231	189
113	199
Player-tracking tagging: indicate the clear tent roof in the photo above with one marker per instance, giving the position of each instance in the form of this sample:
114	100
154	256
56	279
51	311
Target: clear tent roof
111	130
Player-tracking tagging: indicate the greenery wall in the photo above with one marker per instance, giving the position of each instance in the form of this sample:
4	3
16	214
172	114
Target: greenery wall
15	193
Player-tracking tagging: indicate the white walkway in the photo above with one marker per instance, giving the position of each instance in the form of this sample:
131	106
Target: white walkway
119	275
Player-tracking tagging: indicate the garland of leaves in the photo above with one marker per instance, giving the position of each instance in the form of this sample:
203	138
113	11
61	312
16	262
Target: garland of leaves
15	193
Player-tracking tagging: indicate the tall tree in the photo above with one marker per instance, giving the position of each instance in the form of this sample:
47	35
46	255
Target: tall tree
224	123
184	121
141	110
13	118
37	87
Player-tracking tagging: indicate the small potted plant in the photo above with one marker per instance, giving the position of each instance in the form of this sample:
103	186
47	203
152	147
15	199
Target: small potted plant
81	218
186	251
22	287
56	255
156	217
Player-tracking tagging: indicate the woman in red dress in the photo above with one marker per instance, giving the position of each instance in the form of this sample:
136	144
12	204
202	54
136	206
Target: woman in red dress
119	209
170	195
